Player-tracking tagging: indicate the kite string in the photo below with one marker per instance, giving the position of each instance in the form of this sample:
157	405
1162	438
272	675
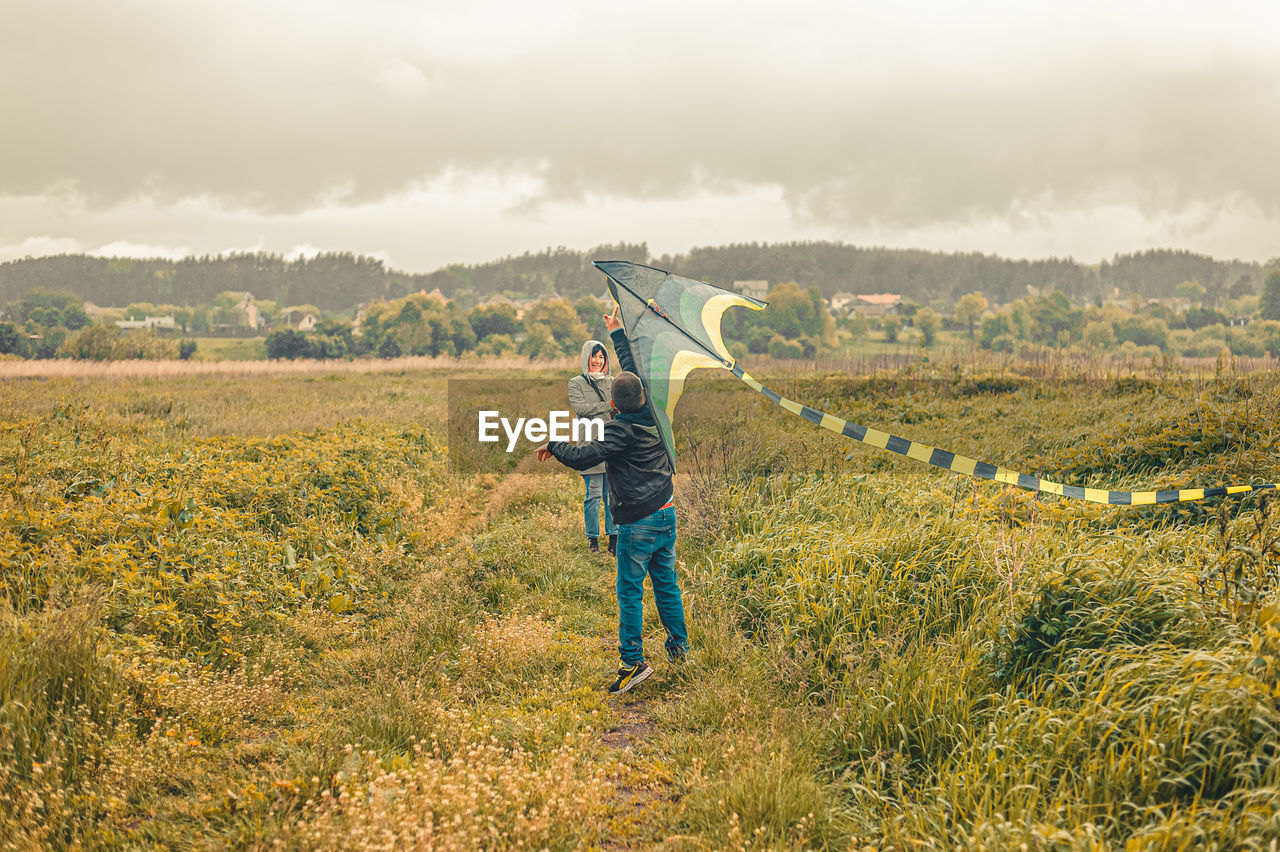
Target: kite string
971	467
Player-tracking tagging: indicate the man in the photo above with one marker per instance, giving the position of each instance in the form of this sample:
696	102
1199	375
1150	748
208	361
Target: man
638	471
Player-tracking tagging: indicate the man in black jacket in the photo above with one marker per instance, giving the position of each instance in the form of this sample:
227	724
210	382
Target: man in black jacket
638	472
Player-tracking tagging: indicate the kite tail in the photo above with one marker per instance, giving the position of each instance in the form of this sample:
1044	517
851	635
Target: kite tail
971	467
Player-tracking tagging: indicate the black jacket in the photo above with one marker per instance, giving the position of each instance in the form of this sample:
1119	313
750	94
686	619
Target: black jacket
637	467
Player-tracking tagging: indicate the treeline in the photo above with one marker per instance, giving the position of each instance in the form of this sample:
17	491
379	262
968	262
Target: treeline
926	277
560	271
332	282
796	325
1251	326
337	283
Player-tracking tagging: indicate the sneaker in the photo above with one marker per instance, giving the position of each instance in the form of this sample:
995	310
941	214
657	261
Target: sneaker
593	544
613	545
679	656
629	676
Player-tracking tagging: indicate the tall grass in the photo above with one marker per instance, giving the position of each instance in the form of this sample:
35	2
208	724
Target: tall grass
241	612
996	668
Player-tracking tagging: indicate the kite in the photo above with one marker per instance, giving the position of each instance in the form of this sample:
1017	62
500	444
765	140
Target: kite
673	326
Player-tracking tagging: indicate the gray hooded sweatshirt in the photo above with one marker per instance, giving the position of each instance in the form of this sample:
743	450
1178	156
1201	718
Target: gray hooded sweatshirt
588	396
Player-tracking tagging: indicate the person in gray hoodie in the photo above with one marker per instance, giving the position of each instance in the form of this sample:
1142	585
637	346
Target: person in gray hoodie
589	396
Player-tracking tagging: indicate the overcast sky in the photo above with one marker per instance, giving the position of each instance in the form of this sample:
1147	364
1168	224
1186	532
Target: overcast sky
429	132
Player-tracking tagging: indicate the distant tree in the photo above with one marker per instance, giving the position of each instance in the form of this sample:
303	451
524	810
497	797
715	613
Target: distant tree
1051	315
591	311
496	344
1199	317
561	321
969	310
995	327
10	340
891	324
927	322
794	313
1268	331
858	325
287	343
780	347
186	349
419	324
538	342
461	334
1269	304
95	343
1143	331
1099	334
46	343
331	339
757	340
44	309
494	319
1189	290
1242	288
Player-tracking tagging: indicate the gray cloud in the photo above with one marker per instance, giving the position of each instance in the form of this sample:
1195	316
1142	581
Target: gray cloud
176	100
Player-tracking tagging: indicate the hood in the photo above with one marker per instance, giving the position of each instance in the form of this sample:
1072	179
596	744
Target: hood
587	349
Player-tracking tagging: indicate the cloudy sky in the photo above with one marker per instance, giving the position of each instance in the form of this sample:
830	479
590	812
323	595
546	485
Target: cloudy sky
429	132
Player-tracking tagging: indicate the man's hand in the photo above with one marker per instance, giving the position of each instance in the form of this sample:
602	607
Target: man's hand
543	453
611	321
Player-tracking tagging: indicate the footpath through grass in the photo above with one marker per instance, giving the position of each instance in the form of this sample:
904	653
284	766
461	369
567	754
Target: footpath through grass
212	637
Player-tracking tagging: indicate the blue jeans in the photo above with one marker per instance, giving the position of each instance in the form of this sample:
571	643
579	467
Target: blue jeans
596	494
648	546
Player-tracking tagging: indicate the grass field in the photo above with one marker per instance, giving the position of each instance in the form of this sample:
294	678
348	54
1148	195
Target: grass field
256	611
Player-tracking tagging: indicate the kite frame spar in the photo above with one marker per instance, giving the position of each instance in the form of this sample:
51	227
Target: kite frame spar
714	354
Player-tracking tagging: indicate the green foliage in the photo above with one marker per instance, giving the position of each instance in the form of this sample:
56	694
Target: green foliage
416	325
1269	306
591	311
1142	331
108	343
496	344
287	343
42	309
994	328
10	340
495	319
1199	317
553	330
891	324
538	342
927	322
969	310
1190	290
793	314
780	347
1100	334
1090	607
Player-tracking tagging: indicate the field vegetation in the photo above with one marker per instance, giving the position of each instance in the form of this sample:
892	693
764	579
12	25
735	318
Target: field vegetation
255	610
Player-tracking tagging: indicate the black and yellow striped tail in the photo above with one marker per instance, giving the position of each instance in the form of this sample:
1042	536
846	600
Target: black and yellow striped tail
971	467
